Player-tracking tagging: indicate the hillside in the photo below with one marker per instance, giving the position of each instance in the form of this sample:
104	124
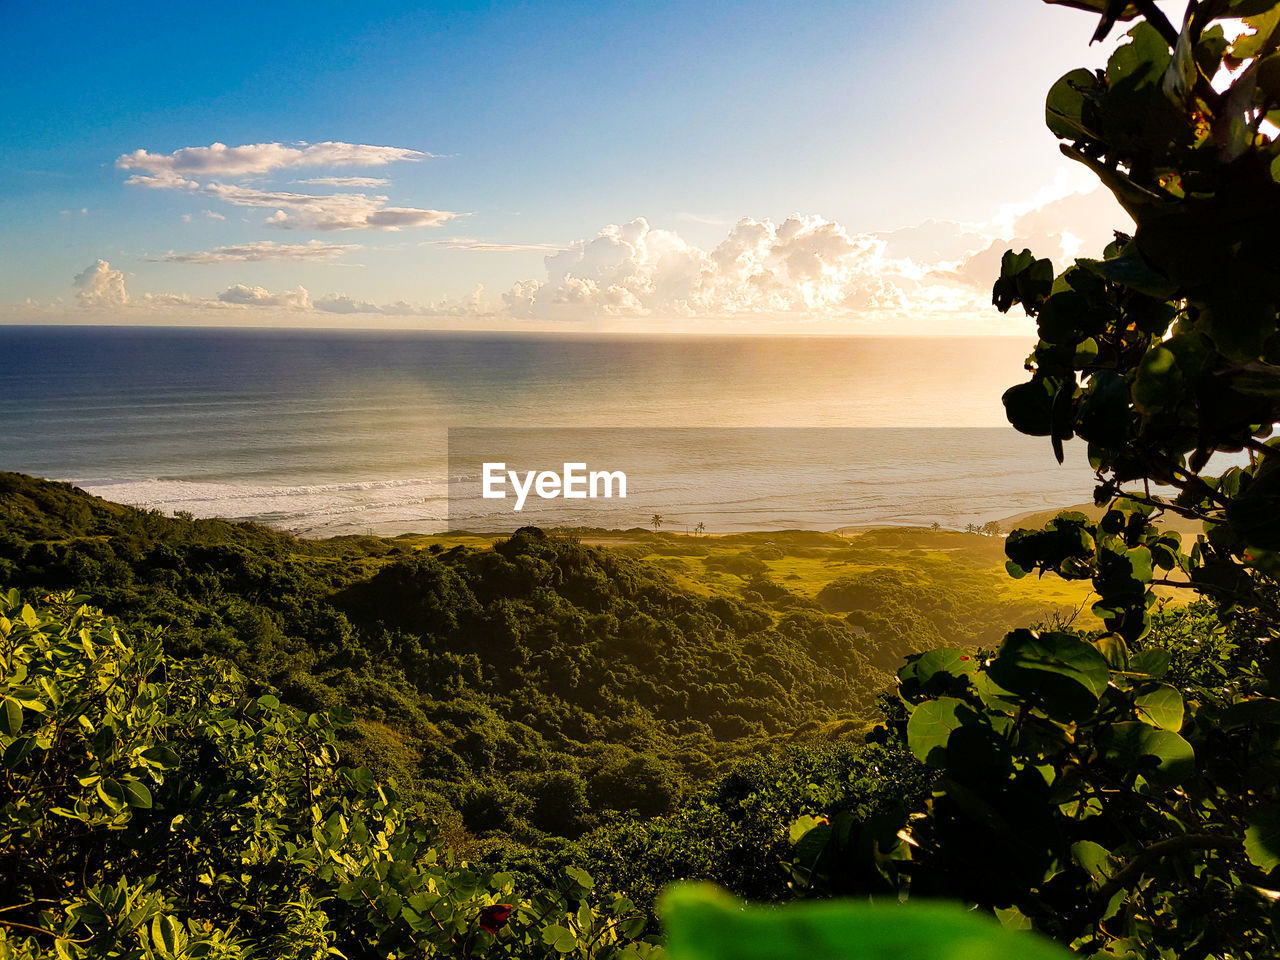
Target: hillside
527	686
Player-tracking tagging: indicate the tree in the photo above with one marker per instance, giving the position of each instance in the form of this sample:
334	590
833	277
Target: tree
1093	786
656	520
700	529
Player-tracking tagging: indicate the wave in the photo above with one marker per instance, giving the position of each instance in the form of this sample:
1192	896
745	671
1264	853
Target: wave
311	509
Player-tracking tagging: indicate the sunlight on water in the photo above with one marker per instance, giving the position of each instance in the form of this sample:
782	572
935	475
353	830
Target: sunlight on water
325	432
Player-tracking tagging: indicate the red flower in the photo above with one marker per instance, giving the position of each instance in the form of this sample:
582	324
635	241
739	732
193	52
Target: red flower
494	918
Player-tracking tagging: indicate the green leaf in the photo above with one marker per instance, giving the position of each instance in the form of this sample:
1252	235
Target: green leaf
1262	836
136	794
1095	859
161	757
1067	104
1153	662
559	939
804	825
168	936
580	877
1161	707
930	725
17	751
112	794
1062	674
704	923
936	671
10	717
1134	746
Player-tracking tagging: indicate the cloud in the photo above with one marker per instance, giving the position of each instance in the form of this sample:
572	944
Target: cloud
1063	228
337	211
938	272
207	214
490	246
313	251
472	306
212	170
242	295
347	181
806	264
219	160
934	241
100	286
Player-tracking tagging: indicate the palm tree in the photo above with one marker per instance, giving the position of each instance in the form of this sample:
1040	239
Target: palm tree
656	520
700	528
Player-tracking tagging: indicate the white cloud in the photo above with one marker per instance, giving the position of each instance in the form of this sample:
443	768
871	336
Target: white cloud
1061	228
242	295
313	251
806	264
337	211
490	246
220	160
347	181
939	272
207	214
472	306
211	170
100	286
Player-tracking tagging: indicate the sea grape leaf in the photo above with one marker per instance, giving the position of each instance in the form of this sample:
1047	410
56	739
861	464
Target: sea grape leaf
930	725
705	923
1157	754
1161	707
1262	836
1063	674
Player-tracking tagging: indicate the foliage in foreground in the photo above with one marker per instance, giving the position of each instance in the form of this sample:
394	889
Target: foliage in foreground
1120	791
156	808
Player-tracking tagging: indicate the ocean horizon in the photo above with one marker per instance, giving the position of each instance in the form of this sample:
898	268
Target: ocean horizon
323	432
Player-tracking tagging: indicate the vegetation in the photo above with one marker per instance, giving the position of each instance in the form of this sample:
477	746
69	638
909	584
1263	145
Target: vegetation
532	687
156	808
673	708
1118	790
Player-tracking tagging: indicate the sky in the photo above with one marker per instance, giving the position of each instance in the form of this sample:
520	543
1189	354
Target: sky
811	167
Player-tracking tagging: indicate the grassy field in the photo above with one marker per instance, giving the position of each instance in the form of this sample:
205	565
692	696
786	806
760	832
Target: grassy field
921	585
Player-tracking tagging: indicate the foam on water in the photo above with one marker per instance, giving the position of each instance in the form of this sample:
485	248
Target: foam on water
323	432
326	509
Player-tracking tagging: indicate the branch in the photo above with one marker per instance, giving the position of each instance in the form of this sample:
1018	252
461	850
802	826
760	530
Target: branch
48	933
1155	16
1132	870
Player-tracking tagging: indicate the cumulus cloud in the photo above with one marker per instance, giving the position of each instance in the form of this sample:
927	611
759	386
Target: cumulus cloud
1078	224
313	251
936	272
98	285
805	264
210	171
242	295
220	160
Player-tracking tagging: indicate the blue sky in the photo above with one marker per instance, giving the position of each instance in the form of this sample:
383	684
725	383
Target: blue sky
528	130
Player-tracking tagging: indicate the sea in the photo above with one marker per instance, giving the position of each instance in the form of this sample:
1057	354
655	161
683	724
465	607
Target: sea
326	433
